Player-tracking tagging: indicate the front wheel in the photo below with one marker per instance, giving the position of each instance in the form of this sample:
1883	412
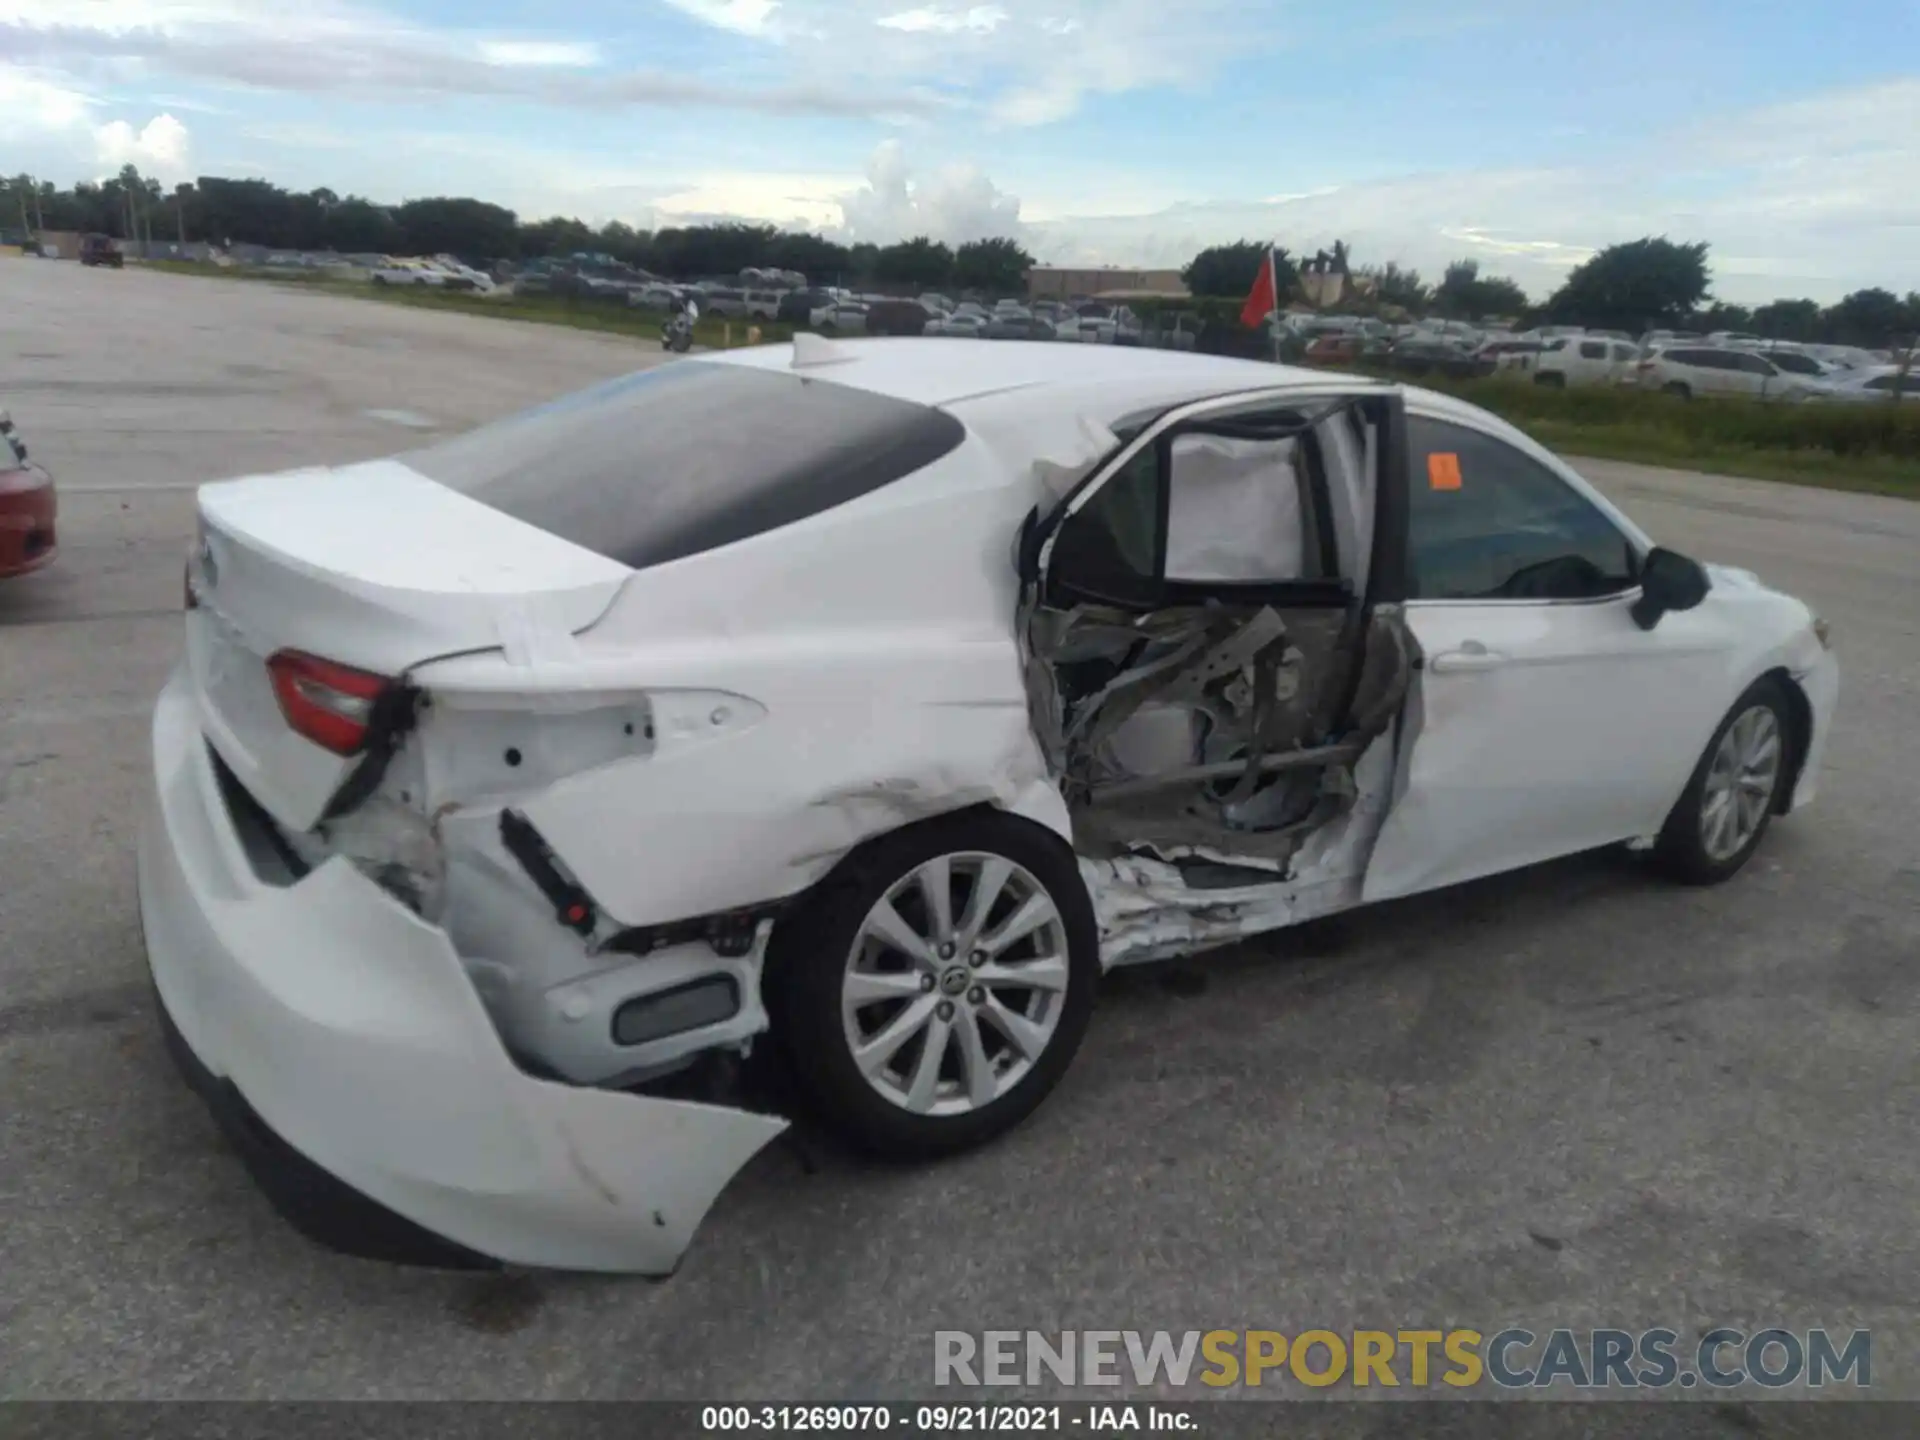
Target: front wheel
932	995
1731	796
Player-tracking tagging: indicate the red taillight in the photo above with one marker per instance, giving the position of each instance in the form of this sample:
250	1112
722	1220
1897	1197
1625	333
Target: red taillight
329	704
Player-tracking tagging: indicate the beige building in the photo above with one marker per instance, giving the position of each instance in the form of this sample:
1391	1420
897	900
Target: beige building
1049	283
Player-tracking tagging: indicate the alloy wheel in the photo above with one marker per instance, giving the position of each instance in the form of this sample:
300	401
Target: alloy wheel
955	984
1740	783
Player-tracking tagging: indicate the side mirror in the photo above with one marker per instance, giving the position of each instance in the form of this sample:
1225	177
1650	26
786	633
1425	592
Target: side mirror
1668	581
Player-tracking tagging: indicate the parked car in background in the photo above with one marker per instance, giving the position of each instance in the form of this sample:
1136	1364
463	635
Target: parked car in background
797	306
845	318
1179	331
654	297
1688	371
1796	361
1019	327
599	278
1584	360
101	250
1729	338
1336	347
897	317
427	275
1844	357
1437	355
1511	352
477	280
727	302
1881	386
761	304
963	326
936	304
1671	337
28	507
1097	323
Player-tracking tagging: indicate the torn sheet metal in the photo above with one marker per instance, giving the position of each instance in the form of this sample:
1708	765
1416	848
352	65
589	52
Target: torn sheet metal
1255	693
1150	907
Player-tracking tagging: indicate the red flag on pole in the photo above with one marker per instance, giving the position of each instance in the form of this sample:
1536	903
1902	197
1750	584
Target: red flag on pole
1265	297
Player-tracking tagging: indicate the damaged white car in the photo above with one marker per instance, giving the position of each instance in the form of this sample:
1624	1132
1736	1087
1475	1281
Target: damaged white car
868	699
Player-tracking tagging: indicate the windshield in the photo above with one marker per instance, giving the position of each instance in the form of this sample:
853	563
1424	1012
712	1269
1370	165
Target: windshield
690	456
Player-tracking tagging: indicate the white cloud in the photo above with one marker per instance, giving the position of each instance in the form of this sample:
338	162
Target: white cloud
959	203
1814	198
159	148
798	201
560	54
980	20
62	120
346	48
30	102
743	17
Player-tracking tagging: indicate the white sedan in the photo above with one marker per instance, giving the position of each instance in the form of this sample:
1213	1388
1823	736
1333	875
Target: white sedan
871	699
961	326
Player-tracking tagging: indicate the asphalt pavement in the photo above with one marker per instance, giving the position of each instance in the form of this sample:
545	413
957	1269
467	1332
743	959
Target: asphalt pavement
1573	1096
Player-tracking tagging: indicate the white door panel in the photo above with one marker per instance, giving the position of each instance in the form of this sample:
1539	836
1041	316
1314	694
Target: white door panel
1541	730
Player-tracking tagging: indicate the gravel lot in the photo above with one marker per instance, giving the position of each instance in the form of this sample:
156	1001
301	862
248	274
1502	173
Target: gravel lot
1572	1096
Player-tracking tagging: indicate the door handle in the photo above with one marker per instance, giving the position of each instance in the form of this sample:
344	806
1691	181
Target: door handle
1471	655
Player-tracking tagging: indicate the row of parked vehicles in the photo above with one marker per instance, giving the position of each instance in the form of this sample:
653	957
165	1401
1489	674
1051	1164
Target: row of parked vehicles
1681	363
769	296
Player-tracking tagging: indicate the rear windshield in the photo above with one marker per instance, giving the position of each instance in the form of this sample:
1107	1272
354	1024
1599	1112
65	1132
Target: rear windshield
689	456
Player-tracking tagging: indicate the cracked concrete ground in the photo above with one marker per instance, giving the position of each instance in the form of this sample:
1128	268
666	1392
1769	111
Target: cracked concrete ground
1572	1096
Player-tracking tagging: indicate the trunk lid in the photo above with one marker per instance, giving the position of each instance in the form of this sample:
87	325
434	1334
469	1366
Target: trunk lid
372	566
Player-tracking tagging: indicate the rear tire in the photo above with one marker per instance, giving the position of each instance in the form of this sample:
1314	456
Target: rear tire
1678	390
1553	379
1729	801
910	1045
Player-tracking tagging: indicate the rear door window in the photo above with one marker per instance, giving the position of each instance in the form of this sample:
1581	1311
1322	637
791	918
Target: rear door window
688	457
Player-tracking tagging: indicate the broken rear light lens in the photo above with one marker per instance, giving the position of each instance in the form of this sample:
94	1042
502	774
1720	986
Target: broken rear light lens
328	703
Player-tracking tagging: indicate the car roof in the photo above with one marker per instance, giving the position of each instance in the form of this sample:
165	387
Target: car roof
1030	388
948	372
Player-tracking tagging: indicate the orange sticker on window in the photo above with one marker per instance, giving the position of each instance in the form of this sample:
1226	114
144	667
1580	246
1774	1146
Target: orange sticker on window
1443	471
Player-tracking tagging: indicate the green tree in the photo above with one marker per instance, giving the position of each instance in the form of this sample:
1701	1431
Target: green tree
1228	271
998	265
1641	285
357	226
1719	316
821	260
1787	319
1404	288
555	235
919	261
452	225
1465	294
1874	318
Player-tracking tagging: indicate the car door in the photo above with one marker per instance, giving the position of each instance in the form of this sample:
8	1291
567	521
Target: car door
1589	366
1207	651
1544	720
1760	378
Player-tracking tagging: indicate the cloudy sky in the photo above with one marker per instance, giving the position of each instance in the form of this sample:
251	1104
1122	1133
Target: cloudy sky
1520	132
